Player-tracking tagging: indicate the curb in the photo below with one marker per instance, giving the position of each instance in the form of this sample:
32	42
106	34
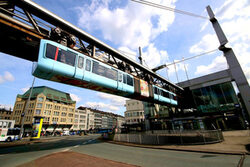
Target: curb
178	149
23	143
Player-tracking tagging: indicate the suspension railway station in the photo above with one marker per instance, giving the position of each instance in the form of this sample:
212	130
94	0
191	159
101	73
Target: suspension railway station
30	32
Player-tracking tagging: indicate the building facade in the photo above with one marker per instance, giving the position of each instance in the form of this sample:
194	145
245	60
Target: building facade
84	119
57	108
216	98
93	119
5	114
134	113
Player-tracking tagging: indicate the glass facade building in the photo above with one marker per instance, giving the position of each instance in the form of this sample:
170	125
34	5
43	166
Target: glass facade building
216	98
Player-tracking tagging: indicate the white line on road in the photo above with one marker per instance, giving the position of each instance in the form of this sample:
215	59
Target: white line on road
65	150
76	146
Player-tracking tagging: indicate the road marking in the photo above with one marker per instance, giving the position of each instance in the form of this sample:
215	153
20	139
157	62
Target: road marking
76	146
65	150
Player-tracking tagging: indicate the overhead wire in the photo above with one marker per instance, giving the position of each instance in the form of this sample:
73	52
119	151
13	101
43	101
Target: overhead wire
169	9
202	54
183	59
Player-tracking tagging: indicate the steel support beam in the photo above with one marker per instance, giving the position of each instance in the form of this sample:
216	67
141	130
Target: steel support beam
235	69
55	20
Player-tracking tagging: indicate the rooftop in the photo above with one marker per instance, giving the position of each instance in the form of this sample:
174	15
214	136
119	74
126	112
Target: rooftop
98	111
50	93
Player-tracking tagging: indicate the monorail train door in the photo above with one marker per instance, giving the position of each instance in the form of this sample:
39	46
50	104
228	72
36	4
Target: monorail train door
79	73
119	81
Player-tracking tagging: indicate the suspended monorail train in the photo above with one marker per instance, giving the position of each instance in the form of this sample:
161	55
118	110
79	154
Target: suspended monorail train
62	64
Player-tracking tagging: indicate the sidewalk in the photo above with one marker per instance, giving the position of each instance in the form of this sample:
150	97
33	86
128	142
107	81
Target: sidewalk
231	145
65	159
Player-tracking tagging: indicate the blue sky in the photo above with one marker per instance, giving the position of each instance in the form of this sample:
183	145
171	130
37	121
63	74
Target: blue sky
125	25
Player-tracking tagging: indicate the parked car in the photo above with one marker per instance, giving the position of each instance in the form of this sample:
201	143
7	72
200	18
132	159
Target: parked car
66	133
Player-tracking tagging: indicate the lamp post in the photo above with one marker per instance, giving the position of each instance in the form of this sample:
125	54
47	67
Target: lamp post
25	110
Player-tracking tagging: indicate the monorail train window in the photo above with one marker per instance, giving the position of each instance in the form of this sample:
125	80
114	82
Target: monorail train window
130	80
88	65
155	90
171	96
120	77
124	79
111	74
99	69
165	94
50	51
175	98
66	57
103	71
161	93
80	62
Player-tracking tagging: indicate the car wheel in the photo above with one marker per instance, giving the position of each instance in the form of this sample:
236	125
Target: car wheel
8	139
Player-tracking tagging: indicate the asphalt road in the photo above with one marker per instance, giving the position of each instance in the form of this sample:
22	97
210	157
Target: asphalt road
131	155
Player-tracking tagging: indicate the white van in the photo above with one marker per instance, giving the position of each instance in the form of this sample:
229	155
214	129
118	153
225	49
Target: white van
66	133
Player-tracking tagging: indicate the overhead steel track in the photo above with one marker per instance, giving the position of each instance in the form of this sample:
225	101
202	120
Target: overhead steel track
56	21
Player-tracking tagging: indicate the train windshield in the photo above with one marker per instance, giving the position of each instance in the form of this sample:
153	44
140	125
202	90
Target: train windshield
61	55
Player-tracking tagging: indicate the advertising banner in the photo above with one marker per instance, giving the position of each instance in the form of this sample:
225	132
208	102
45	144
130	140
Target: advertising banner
36	127
144	88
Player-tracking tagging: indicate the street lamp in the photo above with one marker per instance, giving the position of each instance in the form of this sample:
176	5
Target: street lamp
25	110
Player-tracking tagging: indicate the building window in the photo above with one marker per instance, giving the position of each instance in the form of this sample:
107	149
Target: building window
57	107
82	116
47	112
64	108
70	115
63	114
63	119
56	113
48	106
40	99
38	112
39	105
46	119
54	120
82	121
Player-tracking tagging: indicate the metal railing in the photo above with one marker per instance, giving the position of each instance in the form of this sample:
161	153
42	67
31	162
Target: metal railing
171	137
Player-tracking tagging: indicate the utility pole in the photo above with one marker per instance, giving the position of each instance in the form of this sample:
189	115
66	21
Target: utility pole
176	72
25	110
140	55
234	66
185	69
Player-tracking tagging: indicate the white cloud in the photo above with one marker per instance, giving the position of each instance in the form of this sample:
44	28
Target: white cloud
132	26
128	52
115	100
7	76
208	42
231	9
101	106
218	64
75	97
234	17
25	89
6	106
179	67
154	57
